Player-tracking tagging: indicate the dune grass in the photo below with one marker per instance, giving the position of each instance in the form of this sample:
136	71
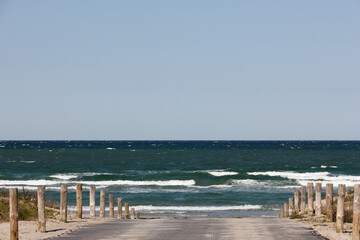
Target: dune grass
27	206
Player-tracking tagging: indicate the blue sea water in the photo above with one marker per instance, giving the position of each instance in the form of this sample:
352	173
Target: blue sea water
181	177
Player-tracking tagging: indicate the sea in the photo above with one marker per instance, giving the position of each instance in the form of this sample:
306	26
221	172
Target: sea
180	178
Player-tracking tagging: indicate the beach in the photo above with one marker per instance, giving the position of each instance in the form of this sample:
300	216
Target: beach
225	189
248	228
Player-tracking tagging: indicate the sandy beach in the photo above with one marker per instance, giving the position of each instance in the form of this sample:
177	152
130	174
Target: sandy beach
174	228
54	227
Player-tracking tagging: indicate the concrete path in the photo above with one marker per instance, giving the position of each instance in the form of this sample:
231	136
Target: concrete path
247	228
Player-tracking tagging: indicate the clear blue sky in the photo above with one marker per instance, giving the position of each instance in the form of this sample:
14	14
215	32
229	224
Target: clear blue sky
231	70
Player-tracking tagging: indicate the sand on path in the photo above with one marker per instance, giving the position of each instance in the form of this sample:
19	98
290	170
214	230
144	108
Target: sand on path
195	228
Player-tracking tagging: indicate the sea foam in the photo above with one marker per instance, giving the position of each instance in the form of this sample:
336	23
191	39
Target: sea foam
151	208
41	182
64	176
220	173
142	183
321	177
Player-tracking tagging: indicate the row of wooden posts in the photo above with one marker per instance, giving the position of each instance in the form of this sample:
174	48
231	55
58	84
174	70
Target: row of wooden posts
294	206
13	196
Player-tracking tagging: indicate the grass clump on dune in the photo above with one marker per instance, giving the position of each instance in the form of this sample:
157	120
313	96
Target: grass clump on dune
27	206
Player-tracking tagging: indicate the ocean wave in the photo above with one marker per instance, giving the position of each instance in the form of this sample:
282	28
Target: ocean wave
162	209
292	175
27	161
220	173
196	208
151	208
321	177
64	176
22	161
142	183
213	186
42	182
68	176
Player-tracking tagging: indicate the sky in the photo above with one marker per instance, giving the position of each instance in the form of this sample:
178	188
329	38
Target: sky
180	70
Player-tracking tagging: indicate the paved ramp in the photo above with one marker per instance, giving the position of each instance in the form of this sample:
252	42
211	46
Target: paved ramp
248	228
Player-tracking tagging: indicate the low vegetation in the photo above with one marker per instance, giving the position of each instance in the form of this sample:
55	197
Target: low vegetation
27	206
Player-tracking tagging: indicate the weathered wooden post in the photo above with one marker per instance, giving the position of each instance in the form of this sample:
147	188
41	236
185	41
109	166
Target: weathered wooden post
356	213
329	202
79	200
318	200
310	198
291	206
119	208
297	200
92	201
340	208
132	213
127	214
303	200
41	209
286	209
137	215
102	203
14	214
63	203
111	205
282	213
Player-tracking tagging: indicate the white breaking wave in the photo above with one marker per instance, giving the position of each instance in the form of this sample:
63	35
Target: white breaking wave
21	161
27	161
214	186
220	173
41	182
67	176
321	177
142	183
151	208
64	176
246	182
196	208
292	175
109	148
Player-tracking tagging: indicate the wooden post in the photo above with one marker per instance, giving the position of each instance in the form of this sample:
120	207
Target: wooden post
79	200
127	214
138	215
356	213
102	203
92	201
119	208
286	209
111	205
303	200
14	214
291	206
297	201
340	208
41	209
63	203
310	198
318	200
132	213
282	213
329	202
